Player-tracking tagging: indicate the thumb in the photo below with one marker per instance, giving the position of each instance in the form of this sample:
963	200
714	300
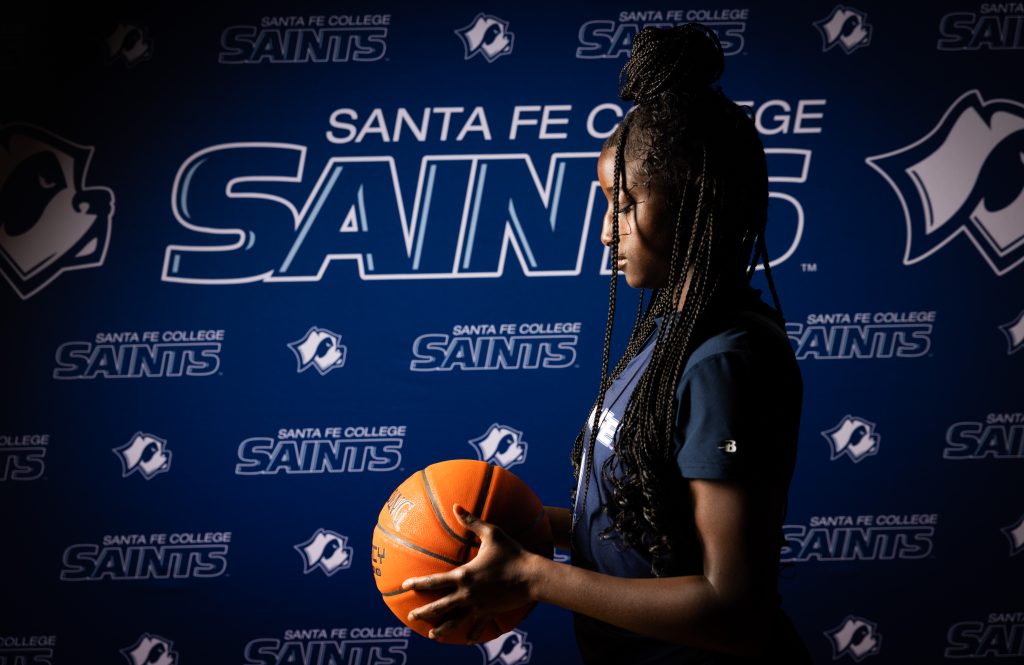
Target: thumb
468	519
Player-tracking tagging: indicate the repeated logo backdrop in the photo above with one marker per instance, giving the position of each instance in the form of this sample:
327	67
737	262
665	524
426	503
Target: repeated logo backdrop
264	261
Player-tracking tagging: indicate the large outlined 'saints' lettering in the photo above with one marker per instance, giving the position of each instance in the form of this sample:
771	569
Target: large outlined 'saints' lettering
356	213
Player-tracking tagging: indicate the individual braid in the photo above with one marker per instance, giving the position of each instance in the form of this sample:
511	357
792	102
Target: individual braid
595	419
649	430
702	152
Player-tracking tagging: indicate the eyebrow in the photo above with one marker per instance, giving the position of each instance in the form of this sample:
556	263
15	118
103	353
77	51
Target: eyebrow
628	191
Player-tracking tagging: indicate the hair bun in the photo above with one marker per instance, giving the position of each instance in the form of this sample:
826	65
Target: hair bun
686	57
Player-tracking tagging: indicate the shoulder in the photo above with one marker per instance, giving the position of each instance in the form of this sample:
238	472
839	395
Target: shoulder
738	400
744	339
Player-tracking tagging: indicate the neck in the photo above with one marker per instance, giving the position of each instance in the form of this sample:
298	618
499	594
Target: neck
686	289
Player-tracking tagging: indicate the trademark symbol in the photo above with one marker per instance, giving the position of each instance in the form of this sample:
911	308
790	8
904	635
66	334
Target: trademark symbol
809	267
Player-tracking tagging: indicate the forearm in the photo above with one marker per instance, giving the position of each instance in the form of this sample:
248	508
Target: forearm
688	610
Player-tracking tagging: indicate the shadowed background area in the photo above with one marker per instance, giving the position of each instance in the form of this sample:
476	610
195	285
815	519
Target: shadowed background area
264	261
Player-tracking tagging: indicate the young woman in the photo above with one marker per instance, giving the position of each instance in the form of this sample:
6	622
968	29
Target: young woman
682	483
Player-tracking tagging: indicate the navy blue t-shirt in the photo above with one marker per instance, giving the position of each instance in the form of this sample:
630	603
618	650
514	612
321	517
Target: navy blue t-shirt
738	406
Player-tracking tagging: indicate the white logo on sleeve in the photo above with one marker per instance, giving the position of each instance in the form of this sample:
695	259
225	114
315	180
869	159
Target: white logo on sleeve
729	446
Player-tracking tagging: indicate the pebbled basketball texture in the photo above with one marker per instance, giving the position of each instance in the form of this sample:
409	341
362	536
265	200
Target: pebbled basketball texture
417	534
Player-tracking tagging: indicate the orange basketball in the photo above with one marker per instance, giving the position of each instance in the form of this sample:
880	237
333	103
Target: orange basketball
417	534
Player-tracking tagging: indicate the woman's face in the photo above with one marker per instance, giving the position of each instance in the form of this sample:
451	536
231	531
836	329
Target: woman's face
645	229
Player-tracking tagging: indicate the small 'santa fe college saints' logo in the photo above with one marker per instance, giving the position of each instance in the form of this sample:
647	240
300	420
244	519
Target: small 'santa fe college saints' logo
319	348
855	637
144	453
326	550
965	176
51	221
854	437
487	35
150	649
500	445
508	649
846	27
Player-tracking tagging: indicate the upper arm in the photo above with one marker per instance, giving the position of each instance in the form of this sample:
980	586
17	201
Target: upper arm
736	525
735	442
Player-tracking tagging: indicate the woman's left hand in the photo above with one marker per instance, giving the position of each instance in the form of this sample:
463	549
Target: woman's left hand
494	581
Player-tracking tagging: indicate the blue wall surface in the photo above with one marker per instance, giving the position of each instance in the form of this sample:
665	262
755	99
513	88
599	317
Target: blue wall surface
263	261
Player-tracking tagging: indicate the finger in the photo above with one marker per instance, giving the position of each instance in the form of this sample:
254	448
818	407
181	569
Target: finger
470	521
450	625
436	609
479	626
430	582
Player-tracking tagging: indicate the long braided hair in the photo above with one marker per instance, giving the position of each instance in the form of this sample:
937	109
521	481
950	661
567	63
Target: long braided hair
702	152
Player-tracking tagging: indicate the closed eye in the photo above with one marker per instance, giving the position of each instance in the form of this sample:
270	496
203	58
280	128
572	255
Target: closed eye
630	206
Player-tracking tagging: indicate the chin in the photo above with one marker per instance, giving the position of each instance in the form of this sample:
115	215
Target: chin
637	282
643	281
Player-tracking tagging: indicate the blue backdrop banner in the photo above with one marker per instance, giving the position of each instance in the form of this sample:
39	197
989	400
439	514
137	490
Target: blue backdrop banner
263	261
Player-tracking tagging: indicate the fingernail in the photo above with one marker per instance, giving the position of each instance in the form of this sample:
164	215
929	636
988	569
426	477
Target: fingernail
412	616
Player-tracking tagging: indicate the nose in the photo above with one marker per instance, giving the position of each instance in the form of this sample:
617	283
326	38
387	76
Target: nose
606	229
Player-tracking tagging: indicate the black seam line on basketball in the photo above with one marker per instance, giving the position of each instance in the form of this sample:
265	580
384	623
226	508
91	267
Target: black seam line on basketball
394	593
437	512
481	498
414	546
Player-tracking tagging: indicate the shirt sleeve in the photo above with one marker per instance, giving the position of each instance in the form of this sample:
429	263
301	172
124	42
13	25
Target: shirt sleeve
718	419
